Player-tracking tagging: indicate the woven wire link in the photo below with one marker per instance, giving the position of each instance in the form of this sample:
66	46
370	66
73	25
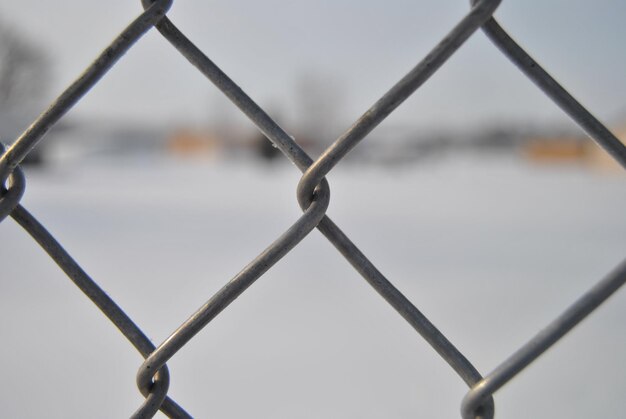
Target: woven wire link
313	195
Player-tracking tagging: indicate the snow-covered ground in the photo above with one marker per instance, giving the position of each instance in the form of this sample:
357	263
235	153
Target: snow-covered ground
490	249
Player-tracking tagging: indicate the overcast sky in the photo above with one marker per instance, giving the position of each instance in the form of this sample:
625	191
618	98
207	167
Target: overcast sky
354	50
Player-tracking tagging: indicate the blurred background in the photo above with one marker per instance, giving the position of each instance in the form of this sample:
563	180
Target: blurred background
478	198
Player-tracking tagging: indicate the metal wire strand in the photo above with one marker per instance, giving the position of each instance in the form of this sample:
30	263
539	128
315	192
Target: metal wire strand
542	341
106	304
10	196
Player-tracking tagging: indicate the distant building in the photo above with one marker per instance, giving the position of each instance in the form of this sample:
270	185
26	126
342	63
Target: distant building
555	149
197	143
572	149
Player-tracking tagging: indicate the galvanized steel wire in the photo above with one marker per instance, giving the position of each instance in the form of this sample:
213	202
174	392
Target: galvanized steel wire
313	195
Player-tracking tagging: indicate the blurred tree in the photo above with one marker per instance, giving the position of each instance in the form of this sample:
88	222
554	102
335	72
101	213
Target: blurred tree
24	77
23	70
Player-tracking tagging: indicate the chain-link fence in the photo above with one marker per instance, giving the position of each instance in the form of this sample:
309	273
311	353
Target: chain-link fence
313	194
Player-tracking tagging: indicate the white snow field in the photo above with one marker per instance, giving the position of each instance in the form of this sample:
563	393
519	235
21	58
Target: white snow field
490	249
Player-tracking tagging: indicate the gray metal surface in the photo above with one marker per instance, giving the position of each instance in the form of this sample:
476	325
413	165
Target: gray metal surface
313	195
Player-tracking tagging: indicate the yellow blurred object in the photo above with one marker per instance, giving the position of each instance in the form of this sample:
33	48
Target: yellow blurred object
555	149
572	150
186	142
